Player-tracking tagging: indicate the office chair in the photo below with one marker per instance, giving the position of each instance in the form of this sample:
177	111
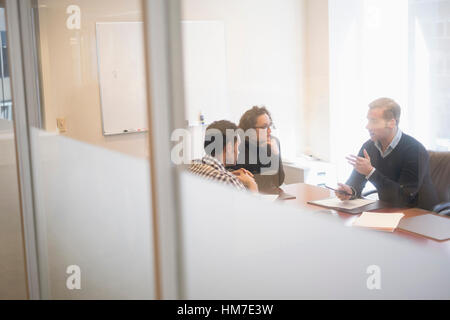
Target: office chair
442	209
440	176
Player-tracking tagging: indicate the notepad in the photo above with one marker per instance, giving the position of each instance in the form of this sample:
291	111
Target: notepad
347	204
379	221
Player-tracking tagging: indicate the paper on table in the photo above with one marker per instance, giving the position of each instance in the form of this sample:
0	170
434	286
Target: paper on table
380	221
268	197
347	204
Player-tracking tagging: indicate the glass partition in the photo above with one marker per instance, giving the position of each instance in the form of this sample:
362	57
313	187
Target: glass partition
90	158
97	179
315	65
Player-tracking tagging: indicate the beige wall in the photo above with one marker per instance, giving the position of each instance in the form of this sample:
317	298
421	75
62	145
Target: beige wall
69	70
265	59
277	55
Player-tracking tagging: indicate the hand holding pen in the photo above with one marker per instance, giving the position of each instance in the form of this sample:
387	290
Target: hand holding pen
343	192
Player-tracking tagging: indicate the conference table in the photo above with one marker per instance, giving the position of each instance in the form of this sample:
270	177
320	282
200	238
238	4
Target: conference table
305	193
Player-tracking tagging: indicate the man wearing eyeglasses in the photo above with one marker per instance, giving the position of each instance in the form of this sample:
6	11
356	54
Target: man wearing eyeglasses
394	162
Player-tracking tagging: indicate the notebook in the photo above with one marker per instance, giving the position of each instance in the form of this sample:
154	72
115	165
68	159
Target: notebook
379	221
431	225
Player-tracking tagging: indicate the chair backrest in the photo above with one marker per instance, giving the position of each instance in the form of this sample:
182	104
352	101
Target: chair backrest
440	174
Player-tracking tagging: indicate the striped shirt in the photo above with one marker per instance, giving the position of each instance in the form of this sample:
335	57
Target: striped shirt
211	169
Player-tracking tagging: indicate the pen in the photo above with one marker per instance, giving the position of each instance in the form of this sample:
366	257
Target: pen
338	191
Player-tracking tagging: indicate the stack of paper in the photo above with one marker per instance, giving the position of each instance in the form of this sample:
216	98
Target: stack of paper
379	221
347	204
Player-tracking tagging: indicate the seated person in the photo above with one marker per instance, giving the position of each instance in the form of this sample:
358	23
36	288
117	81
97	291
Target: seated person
260	151
394	162
222	148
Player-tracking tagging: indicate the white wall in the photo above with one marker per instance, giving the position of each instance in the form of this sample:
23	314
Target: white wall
317	112
70	74
265	59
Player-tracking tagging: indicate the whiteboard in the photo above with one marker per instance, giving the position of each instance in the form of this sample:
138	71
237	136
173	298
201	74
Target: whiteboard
121	68
205	72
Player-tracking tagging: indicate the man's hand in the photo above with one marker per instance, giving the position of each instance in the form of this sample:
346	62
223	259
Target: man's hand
247	179
362	165
345	188
242	171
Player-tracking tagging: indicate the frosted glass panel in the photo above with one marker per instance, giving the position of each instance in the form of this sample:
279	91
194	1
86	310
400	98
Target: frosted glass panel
237	246
93	211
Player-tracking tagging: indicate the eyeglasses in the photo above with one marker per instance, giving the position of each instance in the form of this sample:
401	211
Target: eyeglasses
265	127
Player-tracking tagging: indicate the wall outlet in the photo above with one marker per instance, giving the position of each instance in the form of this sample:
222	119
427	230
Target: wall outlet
61	124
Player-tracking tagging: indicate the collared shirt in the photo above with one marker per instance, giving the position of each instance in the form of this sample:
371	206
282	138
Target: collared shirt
211	168
392	146
388	150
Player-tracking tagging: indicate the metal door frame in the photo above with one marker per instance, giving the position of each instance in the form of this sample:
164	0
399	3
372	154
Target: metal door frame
20	76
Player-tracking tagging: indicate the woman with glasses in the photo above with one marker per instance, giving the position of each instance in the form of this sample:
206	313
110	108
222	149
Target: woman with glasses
259	151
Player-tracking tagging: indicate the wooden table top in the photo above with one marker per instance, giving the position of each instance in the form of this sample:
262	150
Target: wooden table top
305	193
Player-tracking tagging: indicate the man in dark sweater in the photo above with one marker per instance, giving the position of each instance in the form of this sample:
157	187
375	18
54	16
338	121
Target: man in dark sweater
394	162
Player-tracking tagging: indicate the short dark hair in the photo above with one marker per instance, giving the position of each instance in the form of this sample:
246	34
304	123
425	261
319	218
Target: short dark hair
216	133
391	108
249	118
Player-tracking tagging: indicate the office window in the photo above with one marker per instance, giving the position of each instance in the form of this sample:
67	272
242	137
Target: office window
430	71
5	89
397	49
5	64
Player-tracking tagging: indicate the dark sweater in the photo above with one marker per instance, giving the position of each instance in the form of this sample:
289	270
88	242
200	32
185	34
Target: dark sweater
249	159
402	178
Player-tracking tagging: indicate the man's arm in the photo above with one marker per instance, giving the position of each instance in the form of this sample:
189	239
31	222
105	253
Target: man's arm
405	190
357	181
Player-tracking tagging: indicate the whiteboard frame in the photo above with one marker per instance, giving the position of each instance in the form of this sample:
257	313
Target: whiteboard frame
127	131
